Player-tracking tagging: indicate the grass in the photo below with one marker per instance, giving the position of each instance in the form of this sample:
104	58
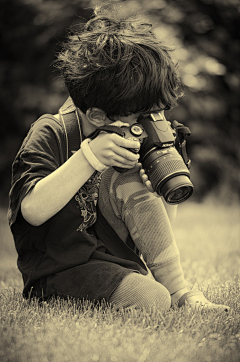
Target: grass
208	236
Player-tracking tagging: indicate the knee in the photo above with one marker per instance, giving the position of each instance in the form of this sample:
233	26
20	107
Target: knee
157	297
139	291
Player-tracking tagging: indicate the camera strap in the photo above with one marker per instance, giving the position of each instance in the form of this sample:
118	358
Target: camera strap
113	243
108	129
182	132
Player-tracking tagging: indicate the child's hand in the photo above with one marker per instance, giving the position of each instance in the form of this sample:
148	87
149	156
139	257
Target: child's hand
196	300
145	179
112	149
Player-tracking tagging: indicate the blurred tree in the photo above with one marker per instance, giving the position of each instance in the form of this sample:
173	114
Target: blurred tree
30	31
206	36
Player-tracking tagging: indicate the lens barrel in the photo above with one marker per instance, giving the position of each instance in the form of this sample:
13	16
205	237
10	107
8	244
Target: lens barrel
168	174
177	189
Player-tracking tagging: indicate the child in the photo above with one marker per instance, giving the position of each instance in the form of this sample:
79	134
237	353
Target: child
115	70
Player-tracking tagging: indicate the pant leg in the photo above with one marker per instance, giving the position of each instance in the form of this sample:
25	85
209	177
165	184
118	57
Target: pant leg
140	292
129	207
95	281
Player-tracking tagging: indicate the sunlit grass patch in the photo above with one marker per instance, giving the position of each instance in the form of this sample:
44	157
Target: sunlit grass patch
70	330
208	236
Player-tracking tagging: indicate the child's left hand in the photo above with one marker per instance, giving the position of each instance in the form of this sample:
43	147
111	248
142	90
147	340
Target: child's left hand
144	178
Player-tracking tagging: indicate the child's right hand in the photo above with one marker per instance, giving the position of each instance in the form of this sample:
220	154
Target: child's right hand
196	300
112	149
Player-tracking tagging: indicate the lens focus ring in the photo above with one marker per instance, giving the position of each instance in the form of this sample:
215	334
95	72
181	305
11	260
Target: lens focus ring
163	168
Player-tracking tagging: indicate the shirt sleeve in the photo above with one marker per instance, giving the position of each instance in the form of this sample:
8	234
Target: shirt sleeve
41	153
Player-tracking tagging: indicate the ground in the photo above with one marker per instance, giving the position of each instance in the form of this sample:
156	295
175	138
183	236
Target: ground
208	236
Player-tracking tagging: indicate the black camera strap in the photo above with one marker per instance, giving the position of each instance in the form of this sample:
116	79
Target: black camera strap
108	129
113	243
182	132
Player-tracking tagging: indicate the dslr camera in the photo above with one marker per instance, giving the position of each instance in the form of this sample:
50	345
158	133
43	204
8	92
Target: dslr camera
166	167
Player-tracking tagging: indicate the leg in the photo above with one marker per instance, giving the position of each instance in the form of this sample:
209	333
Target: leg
140	292
130	208
94	281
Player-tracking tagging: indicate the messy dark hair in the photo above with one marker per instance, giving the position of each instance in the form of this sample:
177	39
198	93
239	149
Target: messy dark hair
116	63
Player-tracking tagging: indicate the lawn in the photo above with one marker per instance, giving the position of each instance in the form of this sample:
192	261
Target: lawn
208	236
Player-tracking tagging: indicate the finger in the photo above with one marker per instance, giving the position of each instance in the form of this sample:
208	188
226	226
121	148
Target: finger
120	165
142	172
120	162
123	161
138	166
125	143
126	154
209	306
144	178
112	144
219	307
148	185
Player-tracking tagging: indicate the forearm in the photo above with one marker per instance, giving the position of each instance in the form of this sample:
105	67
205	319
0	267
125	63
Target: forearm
54	191
171	211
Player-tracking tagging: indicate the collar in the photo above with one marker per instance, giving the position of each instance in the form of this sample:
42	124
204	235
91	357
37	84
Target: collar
68	106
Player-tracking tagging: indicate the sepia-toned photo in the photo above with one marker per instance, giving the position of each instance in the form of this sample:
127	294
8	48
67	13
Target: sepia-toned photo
120	181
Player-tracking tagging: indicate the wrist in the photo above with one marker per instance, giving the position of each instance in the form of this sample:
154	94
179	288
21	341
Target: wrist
90	157
177	295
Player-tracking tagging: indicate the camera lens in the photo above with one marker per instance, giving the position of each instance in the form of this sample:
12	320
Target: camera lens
179	195
177	189
168	174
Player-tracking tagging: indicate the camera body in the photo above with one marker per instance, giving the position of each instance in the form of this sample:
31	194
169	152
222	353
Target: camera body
165	167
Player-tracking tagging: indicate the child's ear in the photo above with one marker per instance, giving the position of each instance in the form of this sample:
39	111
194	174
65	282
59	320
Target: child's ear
96	116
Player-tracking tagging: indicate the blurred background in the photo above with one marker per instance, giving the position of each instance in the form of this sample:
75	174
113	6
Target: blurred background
205	34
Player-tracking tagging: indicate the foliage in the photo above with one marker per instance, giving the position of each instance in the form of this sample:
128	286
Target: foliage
206	36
